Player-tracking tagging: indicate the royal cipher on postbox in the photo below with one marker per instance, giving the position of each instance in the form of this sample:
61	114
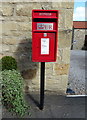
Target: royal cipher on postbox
44	35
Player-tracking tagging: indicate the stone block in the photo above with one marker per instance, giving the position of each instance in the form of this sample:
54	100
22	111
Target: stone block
9	40
29	74
5	48
66	19
68	4
0	9
69	19
0	48
36	81
53	84
1	18
57	84
46	5
11	25
25	65
49	73
0	40
0	28
53	80
27	1
64	39
48	69
21	35
24	26
13	48
24	47
61	20
79	39
22	19
21	10
64	82
1	55
26	9
66	56
56	5
8	53
61	69
7	10
8	18
48	65
24	40
59	56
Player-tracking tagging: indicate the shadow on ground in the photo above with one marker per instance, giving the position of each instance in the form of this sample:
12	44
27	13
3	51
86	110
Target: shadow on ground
55	106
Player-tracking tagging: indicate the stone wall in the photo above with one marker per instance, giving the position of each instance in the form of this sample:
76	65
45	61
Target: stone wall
78	39
16	41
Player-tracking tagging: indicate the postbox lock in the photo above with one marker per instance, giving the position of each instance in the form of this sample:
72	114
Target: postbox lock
45	34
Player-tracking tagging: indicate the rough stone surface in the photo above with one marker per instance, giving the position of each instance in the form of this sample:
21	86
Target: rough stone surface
61	69
5	48
9	40
0	40
62	19
68	19
7	26
1	56
16	32
26	10
7	10
0	28
55	5
29	74
66	55
64	39
24	26
68	5
0	48
78	39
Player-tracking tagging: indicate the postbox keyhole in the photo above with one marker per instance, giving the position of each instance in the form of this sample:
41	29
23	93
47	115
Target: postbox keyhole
45	34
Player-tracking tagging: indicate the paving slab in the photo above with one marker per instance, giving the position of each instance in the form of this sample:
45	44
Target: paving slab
55	106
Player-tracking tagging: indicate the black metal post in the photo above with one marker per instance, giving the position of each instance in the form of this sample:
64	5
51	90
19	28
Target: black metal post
72	42
42	83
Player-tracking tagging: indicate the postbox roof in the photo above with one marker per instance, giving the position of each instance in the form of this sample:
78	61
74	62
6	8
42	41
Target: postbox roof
43	10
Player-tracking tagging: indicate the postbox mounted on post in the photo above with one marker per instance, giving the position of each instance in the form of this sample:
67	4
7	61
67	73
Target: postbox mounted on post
44	35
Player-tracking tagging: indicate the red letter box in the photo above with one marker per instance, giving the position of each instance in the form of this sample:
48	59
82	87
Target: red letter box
44	35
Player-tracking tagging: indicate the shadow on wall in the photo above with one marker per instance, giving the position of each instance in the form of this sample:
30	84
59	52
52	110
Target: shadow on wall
85	44
23	55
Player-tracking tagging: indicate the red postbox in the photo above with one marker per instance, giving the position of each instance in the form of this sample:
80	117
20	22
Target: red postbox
44	35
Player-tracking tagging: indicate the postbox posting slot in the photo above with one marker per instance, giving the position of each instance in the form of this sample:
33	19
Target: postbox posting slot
44	19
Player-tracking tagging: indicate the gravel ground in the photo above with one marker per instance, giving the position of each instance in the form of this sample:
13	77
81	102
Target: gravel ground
77	72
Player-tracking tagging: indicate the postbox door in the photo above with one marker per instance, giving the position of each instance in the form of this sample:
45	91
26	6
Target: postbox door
44	47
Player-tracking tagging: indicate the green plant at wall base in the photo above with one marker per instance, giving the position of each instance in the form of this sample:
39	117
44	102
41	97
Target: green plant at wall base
12	92
0	65
8	63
